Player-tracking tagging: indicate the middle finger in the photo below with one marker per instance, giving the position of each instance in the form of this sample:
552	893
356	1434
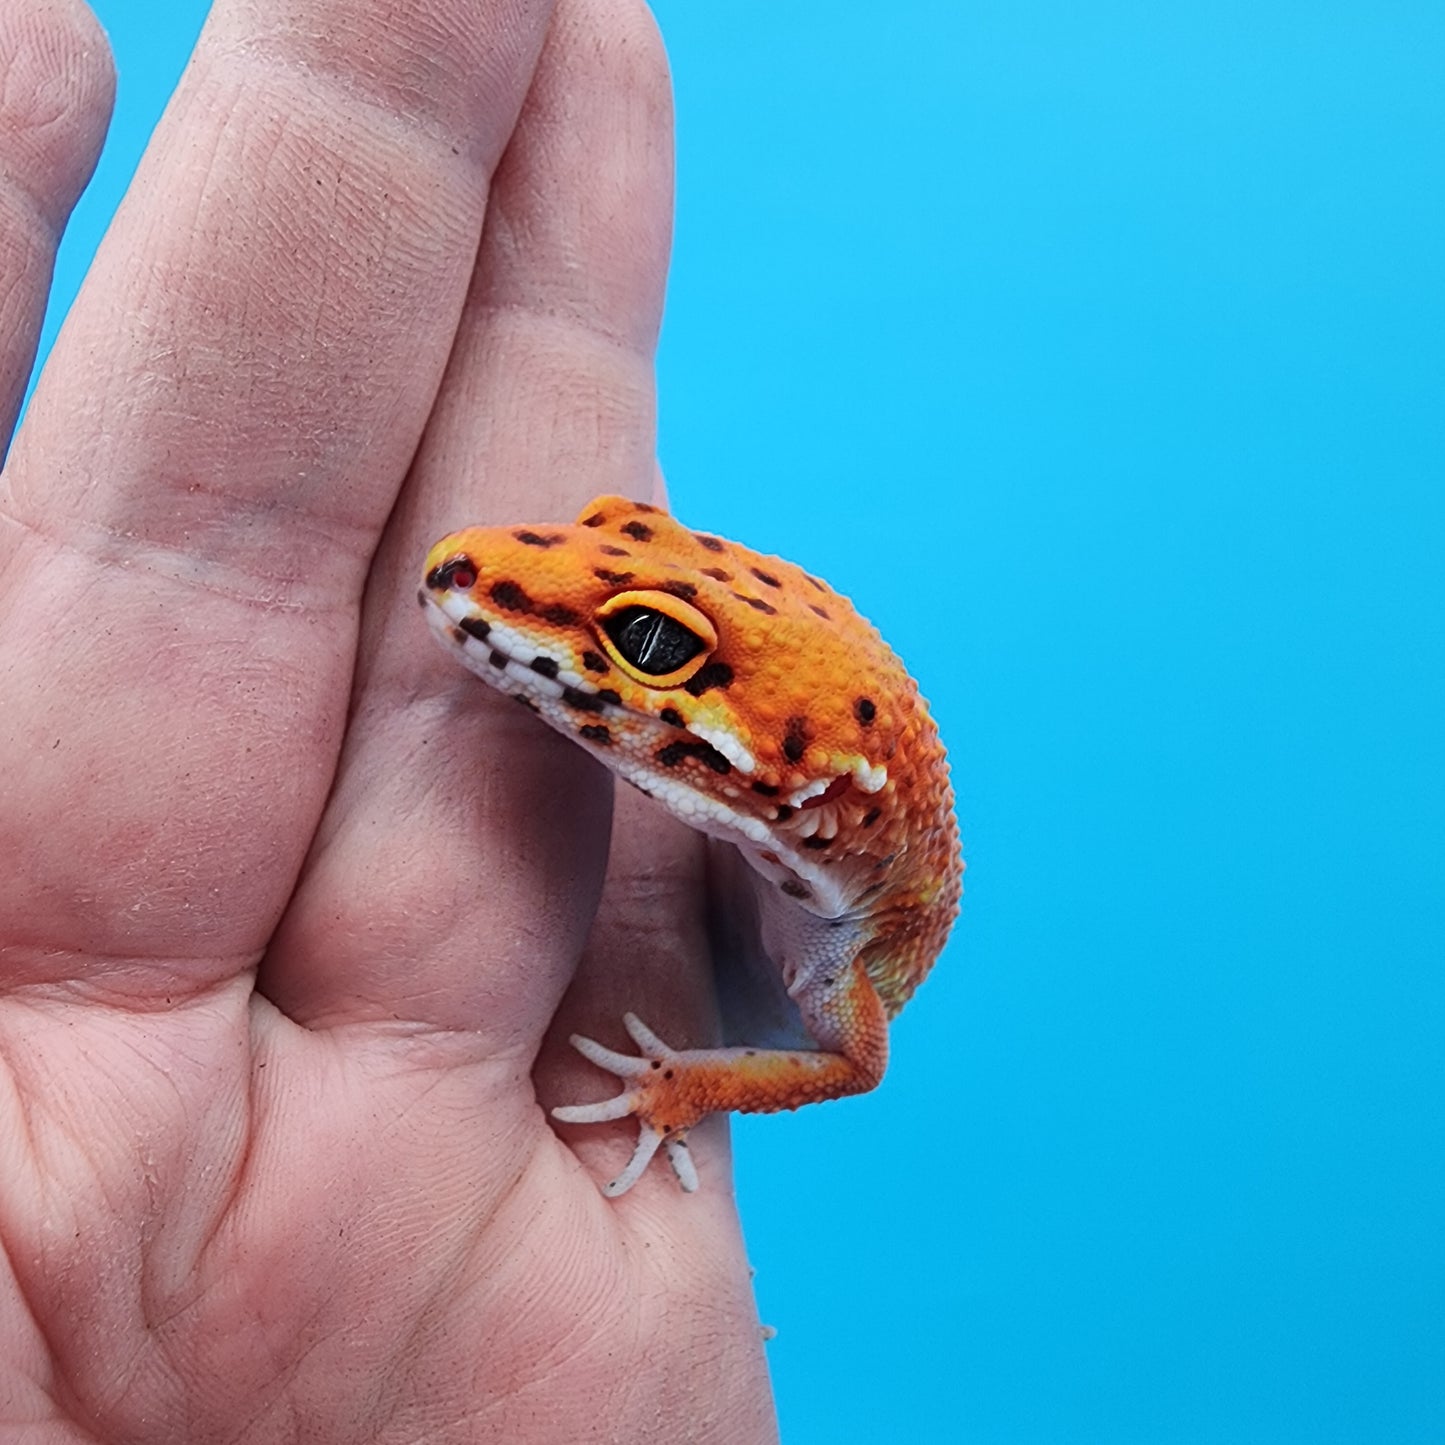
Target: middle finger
465	842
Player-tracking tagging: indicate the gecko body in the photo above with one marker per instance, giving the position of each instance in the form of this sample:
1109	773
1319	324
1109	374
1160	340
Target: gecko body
755	703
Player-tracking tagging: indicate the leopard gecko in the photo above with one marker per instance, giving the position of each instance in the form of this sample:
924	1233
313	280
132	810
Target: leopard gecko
752	701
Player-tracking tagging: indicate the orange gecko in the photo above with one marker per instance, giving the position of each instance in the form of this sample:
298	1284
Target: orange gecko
753	702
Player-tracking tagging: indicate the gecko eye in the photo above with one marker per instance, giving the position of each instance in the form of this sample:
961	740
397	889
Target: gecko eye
652	642
655	637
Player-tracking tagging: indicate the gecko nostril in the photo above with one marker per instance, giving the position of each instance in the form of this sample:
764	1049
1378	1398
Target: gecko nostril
457	573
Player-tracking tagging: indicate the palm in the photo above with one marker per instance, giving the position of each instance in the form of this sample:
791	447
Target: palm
330	1206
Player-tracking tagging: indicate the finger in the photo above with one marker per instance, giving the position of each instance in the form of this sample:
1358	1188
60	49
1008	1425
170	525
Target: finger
464	842
57	85
195	495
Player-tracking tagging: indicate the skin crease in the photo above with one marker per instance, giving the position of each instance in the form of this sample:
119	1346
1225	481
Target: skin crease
295	917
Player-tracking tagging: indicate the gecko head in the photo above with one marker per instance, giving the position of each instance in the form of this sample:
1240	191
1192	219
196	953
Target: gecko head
725	683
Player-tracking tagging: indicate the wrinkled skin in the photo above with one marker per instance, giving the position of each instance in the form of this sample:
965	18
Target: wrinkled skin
295	917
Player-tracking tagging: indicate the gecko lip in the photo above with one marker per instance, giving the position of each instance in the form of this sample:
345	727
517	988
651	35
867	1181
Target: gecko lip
493	650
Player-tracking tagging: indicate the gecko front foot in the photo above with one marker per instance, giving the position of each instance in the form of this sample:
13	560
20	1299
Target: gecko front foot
655	1098
671	1089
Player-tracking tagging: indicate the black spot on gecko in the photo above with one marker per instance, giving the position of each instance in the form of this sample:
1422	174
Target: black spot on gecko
671	755
594	662
784	813
672	717
477	627
512	596
817	843
685	590
818	612
865	711
710	674
766	789
794	889
596	733
558	615
608	694
795	741
582	701
871	817
638	531
546	666
615	579
713	544
595	520
757	604
608	550
536	539
717	574
421	595
497	659
458	636
766	578
821	586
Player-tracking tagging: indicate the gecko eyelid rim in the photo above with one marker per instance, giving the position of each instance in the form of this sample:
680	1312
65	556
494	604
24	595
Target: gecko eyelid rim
657	639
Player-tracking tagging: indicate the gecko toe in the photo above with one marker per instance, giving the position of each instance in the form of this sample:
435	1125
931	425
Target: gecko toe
625	1066
617	1107
647	1144
680	1157
652	1046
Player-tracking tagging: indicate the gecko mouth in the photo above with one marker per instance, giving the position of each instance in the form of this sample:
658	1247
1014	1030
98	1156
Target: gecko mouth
504	658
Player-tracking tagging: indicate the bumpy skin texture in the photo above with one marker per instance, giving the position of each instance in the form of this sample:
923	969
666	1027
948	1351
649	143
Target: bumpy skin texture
757	705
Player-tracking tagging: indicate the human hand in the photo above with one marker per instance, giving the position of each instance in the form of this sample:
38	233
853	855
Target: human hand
288	903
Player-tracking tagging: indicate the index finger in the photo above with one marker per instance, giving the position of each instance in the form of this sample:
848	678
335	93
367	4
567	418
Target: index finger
192	502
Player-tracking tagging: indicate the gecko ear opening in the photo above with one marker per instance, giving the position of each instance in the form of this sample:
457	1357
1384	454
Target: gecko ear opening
655	638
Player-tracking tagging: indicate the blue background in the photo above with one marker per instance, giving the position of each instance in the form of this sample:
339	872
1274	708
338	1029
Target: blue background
1096	349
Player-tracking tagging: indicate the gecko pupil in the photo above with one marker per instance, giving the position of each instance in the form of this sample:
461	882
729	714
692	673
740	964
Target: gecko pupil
651	641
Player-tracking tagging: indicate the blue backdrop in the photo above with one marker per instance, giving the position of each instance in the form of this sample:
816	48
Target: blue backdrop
1099	347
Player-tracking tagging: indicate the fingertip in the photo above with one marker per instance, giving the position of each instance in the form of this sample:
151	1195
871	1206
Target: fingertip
57	88
56	102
